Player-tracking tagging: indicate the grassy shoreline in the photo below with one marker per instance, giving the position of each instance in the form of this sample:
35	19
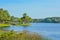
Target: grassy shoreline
23	25
24	35
4	25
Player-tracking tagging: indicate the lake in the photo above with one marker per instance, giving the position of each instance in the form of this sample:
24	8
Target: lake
50	30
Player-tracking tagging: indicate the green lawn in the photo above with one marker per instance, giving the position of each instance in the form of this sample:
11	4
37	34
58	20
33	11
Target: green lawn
23	25
4	25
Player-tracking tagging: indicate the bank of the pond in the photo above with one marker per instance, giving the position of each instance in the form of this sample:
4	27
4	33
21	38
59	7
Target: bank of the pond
23	24
2	31
7	25
4	25
11	35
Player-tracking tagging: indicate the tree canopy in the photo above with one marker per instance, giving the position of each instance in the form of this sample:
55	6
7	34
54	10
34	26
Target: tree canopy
4	15
25	18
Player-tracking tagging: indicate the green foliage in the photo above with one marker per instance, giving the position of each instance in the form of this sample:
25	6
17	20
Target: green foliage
4	16
37	20
25	35
25	18
52	20
47	20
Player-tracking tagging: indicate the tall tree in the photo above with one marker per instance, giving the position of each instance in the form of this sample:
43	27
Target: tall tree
4	16
25	18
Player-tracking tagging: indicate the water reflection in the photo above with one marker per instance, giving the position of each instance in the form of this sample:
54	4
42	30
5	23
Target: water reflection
4	28
15	28
25	28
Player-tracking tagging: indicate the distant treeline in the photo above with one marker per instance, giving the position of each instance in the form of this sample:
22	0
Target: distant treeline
5	17
47	20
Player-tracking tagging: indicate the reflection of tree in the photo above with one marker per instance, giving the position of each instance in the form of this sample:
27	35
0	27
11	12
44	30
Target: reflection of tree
25	20
25	28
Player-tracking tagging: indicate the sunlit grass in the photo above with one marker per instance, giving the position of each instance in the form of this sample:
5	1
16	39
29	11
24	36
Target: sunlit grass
25	35
22	24
4	25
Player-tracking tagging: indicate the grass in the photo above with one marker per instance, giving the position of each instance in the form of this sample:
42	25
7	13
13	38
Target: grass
4	25
23	25
25	35
2	31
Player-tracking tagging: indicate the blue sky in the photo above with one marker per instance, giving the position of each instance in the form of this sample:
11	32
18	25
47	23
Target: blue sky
34	8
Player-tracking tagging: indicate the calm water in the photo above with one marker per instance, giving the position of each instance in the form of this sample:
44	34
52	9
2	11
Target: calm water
50	30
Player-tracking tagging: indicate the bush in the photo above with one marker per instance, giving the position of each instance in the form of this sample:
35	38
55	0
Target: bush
25	35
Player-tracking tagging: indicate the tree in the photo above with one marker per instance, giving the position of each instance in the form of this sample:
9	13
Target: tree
26	19
4	16
12	18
